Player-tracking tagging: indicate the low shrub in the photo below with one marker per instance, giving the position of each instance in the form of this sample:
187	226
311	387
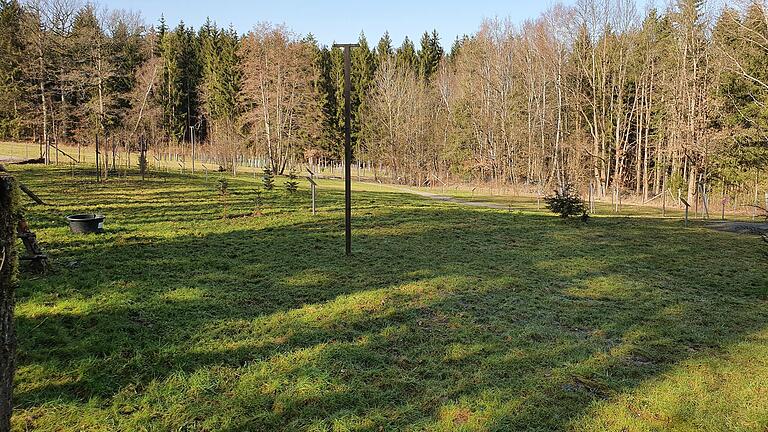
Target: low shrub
567	203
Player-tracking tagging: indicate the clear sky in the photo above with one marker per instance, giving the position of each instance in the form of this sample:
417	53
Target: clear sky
342	20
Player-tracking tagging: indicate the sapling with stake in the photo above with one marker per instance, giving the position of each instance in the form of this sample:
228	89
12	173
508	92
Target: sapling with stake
223	189
258	202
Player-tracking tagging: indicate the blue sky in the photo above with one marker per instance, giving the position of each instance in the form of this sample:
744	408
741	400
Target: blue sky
342	20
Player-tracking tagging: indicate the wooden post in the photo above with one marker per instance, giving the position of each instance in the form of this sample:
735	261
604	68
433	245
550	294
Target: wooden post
98	167
192	136
687	206
8	269
754	206
538	197
704	202
722	211
722	196
313	188
143	162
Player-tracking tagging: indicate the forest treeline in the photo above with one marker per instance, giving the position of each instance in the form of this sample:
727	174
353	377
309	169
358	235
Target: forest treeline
599	93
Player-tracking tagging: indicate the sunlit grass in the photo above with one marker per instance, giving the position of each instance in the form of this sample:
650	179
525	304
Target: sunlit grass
445	317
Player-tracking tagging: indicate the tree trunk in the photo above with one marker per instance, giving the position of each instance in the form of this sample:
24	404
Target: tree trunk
8	268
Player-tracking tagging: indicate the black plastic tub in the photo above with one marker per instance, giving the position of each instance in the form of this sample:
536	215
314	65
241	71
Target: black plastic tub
86	223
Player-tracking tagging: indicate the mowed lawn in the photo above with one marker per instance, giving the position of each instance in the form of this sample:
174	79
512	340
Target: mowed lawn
445	318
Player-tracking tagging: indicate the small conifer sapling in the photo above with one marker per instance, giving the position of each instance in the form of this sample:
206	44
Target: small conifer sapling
268	179
292	184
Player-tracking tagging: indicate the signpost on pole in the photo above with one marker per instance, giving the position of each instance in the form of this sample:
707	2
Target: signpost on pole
687	206
347	145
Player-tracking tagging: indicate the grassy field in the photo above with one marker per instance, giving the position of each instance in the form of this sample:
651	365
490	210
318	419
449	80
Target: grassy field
629	207
445	318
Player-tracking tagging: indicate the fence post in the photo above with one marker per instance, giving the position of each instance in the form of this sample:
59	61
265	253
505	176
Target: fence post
313	188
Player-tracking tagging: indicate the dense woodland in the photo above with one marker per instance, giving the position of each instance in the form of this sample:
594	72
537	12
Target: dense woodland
600	93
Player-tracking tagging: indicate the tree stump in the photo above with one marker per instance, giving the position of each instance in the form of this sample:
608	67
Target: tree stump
9	214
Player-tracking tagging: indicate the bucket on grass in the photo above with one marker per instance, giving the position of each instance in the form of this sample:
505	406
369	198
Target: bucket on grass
86	223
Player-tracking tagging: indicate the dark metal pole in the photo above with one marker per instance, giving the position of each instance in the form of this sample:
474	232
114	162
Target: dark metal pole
347	144
347	151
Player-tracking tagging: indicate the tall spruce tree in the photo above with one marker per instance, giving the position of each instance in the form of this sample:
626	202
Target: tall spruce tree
363	69
180	80
326	144
743	91
220	79
384	48
126	54
430	54
406	55
11	53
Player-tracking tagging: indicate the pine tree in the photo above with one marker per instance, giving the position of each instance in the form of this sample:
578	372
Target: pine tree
567	203
126	54
430	54
363	69
161	30
456	47
743	92
406	55
268	179
327	86
292	185
219	77
337	78
181	75
384	49
11	51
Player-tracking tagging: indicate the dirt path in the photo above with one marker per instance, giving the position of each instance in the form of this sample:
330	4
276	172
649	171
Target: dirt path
753	228
453	199
9	159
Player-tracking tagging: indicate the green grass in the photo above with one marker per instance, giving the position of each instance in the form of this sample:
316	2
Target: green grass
445	318
605	207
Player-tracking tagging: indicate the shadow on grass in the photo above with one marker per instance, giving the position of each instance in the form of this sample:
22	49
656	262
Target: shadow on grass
444	317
